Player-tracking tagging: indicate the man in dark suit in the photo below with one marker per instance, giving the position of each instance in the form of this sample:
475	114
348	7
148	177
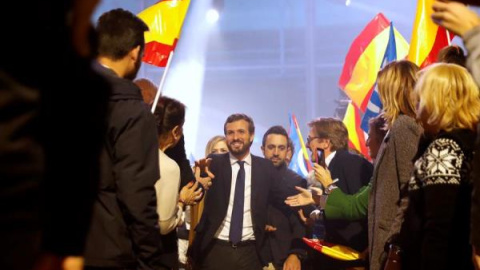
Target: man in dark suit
124	232
231	233
281	230
350	171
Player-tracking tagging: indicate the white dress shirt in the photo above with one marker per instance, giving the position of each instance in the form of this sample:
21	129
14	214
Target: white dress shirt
329	158
223	231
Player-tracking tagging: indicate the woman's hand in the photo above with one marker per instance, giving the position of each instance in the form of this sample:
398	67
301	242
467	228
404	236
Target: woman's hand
190	193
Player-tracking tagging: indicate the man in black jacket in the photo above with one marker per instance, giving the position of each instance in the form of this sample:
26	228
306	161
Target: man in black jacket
124	232
231	233
283	232
351	172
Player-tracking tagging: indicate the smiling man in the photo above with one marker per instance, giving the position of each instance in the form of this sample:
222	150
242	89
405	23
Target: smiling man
231	233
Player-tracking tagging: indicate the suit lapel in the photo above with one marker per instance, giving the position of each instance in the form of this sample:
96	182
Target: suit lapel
255	184
227	178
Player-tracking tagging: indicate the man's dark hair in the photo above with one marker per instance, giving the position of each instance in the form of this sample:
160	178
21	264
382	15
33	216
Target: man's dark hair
279	130
168	114
240	116
119	31
291	145
452	54
332	129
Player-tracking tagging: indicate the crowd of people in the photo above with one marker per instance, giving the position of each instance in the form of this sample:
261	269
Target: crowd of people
128	198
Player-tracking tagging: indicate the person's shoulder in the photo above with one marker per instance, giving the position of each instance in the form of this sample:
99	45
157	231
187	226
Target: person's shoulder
167	165
262	161
295	177
405	124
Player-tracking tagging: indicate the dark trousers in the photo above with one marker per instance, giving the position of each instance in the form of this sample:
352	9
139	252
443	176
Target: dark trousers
222	255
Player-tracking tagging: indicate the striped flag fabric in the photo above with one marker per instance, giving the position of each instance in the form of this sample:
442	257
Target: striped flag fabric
375	106
165	20
300	162
427	37
364	59
356	136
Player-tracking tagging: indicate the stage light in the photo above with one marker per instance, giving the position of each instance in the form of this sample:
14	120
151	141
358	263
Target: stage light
348	2
212	16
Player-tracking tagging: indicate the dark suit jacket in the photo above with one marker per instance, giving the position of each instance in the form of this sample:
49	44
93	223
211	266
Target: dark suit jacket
353	172
264	190
287	238
124	229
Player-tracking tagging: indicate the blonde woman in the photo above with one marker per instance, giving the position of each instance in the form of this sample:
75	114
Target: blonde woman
216	145
394	161
437	223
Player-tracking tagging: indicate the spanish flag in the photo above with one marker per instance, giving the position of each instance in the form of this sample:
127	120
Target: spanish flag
165	20
356	135
365	57
427	37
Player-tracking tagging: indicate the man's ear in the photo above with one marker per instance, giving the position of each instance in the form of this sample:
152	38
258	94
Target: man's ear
263	149
175	132
135	53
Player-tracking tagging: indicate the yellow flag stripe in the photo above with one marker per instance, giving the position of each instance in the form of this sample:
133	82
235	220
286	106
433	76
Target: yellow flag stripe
165	20
367	67
424	33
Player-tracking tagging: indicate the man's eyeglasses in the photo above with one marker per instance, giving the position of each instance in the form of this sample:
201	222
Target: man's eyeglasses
310	139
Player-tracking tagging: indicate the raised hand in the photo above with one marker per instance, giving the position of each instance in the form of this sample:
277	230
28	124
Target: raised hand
202	167
455	17
322	175
301	199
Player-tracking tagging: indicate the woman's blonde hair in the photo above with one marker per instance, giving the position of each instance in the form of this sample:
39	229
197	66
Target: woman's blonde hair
395	86
211	143
449	97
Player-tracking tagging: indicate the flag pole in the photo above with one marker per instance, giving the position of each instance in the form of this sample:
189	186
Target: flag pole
448	38
162	82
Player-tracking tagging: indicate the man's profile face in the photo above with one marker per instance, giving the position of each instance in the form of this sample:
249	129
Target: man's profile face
132	74
239	138
275	149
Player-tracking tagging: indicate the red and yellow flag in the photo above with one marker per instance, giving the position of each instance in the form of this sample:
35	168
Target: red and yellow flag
364	59
356	135
427	37
165	20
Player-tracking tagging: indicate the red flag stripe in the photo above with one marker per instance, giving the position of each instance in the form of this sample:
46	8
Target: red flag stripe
362	41
157	53
441	41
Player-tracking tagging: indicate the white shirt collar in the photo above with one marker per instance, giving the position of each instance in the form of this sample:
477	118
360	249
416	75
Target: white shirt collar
247	159
329	158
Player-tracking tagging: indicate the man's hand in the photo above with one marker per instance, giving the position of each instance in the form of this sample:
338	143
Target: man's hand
316	194
270	228
322	175
202	167
72	263
306	220
301	199
292	263
476	258
455	17
49	261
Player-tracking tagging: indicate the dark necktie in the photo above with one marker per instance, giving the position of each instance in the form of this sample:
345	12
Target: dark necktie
236	222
